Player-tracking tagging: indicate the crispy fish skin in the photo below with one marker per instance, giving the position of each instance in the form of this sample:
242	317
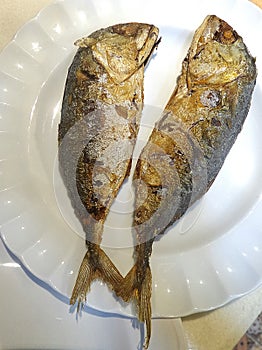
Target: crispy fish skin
189	144
101	110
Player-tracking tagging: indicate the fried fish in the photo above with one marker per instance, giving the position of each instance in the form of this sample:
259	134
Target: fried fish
100	117
189	144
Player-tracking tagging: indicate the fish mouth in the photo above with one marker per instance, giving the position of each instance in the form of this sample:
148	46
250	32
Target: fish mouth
225	34
150	43
213	28
154	47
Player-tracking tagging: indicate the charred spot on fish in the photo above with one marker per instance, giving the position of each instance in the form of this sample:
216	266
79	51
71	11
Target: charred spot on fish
95	207
210	98
159	192
139	213
143	214
134	99
97	213
225	34
156	189
135	105
179	152
215	122
89	108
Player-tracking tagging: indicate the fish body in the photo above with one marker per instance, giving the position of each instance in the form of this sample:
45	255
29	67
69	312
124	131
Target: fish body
101	110
189	143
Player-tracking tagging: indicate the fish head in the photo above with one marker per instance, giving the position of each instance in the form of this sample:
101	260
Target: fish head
218	54
123	48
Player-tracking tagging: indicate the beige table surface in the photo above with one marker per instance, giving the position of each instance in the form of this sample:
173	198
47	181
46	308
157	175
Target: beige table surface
217	330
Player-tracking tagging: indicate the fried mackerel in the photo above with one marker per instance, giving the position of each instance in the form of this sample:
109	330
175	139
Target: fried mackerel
189	144
101	111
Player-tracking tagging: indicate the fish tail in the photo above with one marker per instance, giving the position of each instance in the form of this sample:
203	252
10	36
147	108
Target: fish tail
95	265
137	286
144	305
86	275
109	272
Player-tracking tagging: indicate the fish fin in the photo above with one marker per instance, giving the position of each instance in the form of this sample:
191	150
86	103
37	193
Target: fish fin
139	289
98	266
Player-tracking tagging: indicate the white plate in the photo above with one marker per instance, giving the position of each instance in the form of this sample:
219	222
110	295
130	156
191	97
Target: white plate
214	254
20	327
